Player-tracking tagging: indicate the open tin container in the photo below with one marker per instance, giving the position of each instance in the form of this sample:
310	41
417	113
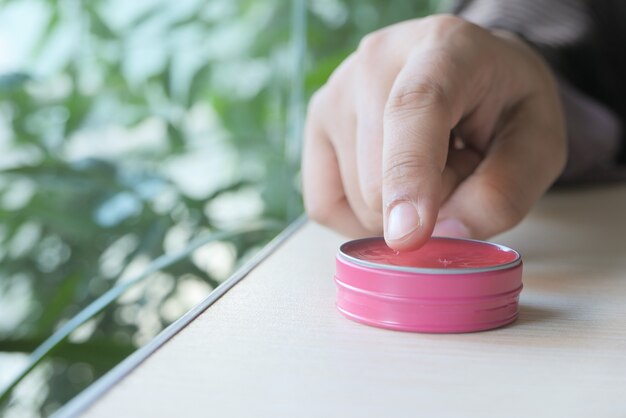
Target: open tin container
447	286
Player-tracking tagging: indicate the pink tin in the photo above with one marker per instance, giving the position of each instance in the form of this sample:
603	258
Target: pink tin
447	286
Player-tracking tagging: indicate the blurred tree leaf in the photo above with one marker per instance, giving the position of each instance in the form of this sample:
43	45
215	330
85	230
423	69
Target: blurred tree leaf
97	350
97	24
13	81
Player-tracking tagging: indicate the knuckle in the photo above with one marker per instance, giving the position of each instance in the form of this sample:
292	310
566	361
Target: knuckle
319	102
420	95
405	167
371	42
342	75
442	24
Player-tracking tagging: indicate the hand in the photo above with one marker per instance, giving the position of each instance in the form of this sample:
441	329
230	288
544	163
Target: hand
437	124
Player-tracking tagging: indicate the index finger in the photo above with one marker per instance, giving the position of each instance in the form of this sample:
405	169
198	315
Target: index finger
425	103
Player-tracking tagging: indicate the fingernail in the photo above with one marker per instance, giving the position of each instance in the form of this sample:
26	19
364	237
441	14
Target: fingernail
403	219
451	228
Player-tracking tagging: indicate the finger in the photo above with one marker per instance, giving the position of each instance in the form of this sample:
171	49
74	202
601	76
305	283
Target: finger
339	118
460	164
323	193
375	78
423	106
521	164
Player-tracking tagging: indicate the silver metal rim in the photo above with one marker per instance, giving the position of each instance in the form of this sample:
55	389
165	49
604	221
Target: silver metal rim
419	270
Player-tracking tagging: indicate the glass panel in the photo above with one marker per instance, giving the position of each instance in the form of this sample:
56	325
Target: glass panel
128	132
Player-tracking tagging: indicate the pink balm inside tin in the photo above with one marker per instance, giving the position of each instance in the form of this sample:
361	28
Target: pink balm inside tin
449	285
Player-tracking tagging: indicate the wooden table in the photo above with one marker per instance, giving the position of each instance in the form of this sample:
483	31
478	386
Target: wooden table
274	345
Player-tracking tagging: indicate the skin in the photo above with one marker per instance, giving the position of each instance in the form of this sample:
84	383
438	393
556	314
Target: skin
432	125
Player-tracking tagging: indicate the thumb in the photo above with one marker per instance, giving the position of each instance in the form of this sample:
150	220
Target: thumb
524	160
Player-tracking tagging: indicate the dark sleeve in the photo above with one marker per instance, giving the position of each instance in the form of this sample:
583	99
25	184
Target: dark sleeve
584	43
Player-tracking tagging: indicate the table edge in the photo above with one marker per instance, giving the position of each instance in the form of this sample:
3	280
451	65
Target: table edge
81	402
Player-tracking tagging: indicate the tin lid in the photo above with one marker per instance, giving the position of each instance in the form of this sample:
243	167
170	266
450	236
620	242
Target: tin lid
438	256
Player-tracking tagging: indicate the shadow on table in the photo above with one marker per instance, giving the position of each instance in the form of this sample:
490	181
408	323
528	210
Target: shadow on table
533	314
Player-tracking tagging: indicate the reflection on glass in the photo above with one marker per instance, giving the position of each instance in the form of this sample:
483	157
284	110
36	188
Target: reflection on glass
127	131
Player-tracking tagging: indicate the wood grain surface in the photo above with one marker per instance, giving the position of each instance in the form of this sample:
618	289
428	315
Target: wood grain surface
274	345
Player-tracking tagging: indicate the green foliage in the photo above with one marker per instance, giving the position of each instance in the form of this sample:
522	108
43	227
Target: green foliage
131	129
56	343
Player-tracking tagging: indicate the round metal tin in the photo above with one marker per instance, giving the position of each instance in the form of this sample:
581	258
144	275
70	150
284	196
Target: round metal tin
447	286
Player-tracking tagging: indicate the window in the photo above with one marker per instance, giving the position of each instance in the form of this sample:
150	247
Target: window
147	149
